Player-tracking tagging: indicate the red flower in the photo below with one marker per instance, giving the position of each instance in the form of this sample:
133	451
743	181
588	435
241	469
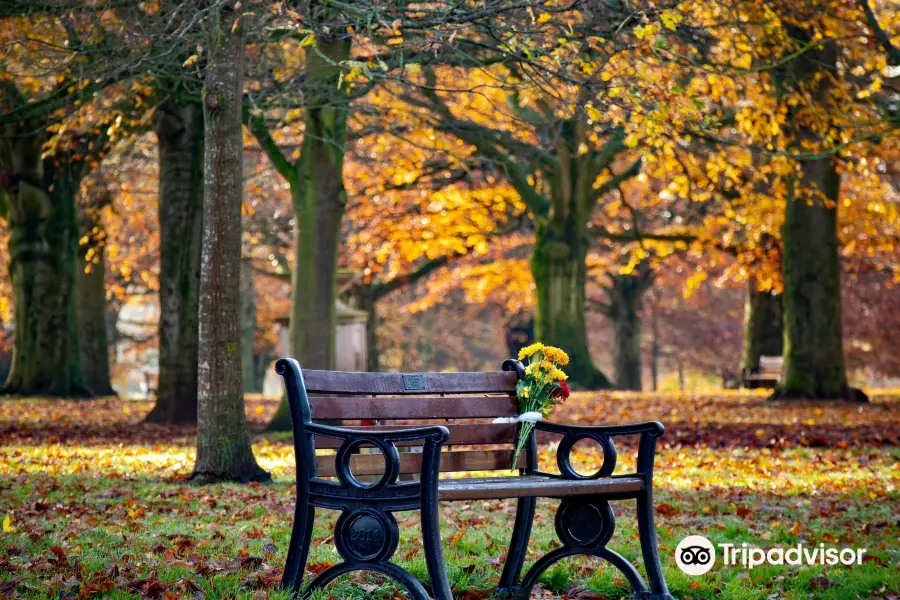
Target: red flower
562	392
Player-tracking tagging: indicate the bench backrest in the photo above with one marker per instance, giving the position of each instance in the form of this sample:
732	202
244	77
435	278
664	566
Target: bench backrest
771	364
476	444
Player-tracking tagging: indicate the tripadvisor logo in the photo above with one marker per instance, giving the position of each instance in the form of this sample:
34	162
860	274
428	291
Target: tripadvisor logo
695	555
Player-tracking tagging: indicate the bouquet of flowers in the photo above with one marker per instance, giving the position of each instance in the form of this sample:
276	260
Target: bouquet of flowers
543	387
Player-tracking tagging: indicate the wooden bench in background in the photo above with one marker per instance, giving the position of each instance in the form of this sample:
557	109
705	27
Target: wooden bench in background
766	376
333	473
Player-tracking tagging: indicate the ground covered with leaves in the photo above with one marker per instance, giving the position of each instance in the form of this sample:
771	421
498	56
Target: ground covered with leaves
94	504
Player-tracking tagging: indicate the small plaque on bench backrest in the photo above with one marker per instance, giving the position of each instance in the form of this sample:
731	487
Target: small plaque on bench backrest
414	383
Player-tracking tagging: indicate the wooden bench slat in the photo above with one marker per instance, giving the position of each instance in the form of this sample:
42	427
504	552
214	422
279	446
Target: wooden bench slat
769	364
532	486
412	407
410	462
462	434
342	382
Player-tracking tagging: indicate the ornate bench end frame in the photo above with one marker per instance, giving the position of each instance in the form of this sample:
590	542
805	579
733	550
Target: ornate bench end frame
366	533
584	524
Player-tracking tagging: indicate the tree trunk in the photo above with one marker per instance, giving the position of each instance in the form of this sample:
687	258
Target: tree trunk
426	342
763	331
625	304
112	334
654	347
179	130
223	439
558	261
813	336
519	333
40	203
319	200
369	303
559	271
92	319
248	330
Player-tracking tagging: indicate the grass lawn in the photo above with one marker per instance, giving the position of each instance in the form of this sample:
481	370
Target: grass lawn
94	505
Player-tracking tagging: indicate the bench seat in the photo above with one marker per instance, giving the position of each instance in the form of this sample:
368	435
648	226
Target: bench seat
533	486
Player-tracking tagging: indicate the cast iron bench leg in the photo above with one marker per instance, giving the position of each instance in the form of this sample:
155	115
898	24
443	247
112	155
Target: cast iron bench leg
649	550
431	533
518	547
298	550
646	526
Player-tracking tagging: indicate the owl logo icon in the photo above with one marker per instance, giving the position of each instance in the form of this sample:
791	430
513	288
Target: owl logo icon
695	555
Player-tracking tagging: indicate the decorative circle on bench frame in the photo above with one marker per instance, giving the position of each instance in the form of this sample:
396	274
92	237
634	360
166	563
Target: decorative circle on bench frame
388	452
366	535
583	523
564	455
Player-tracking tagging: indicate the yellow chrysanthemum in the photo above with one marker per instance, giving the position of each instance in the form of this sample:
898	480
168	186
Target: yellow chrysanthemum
530	369
525	391
529	350
556	355
557	375
546	365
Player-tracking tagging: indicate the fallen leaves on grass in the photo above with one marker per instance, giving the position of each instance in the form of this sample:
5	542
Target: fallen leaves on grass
94	501
730	419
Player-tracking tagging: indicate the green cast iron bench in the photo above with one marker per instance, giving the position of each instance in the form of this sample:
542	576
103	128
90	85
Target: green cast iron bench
367	488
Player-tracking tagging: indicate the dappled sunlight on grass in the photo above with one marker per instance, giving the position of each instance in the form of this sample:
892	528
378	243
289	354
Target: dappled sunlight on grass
784	471
164	461
105	439
876	471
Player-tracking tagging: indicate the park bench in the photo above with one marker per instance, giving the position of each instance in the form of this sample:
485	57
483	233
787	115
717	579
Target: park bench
366	533
767	375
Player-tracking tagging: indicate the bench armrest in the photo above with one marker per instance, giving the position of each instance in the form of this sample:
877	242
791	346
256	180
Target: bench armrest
653	428
603	435
352	440
438	433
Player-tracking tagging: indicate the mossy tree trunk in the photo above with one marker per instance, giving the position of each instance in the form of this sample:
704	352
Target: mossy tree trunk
624	309
179	131
763	331
319	198
813	336
558	262
91	301
39	202
223	439
654	342
319	202
560	271
811	305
